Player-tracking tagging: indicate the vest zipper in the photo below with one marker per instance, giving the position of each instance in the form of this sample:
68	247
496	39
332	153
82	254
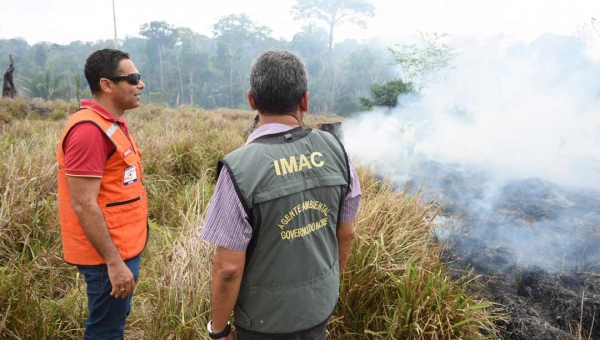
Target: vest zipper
108	205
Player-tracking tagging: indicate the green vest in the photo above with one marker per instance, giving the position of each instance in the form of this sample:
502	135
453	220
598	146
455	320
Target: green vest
290	184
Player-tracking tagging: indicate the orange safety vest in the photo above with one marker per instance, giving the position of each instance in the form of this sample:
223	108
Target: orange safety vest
122	198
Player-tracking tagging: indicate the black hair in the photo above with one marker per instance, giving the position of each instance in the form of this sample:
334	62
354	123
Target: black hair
102	64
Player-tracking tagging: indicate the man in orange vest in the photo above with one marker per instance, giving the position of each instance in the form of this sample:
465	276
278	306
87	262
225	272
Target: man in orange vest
102	204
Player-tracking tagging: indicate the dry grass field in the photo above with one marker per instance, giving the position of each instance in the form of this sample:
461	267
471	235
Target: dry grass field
394	287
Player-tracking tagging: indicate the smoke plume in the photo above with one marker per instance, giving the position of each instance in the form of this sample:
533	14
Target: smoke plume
510	141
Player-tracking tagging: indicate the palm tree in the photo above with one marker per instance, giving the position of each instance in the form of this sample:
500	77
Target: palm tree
43	84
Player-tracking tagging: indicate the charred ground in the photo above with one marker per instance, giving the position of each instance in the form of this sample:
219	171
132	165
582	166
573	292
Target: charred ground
535	244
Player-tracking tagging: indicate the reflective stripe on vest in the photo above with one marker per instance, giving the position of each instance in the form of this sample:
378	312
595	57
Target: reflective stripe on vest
112	129
291	184
122	198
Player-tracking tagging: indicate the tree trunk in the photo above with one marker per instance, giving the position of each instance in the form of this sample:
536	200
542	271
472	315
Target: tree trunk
160	64
231	83
8	88
180	80
330	66
191	75
330	41
241	82
70	84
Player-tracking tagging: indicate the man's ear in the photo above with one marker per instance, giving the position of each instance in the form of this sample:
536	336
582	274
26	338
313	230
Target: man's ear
304	102
251	100
106	85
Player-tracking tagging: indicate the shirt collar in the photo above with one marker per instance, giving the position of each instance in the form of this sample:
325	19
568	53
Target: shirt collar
267	129
99	109
102	111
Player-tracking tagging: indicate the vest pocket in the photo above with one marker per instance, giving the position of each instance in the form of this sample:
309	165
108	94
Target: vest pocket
240	318
114	204
118	214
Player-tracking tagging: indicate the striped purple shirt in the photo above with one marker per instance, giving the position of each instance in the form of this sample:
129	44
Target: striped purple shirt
227	223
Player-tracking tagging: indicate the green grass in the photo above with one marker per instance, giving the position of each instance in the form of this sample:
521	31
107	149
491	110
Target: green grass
395	286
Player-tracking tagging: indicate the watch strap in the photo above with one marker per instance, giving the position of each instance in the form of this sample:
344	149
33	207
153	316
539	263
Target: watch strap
219	335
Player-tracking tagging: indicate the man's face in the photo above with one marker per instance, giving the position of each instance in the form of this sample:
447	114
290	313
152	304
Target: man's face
125	95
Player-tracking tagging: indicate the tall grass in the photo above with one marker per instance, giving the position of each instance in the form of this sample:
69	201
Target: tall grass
36	287
394	287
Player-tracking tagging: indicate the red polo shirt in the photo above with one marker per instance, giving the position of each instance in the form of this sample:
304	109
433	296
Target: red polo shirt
87	147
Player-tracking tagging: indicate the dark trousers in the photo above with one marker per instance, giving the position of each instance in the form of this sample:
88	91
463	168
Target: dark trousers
107	315
316	333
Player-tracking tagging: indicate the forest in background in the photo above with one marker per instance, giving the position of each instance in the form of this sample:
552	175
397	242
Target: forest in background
180	66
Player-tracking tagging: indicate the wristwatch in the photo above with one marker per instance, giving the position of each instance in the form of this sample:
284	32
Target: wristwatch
219	335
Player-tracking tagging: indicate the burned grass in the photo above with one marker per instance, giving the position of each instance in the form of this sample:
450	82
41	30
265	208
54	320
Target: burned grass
535	246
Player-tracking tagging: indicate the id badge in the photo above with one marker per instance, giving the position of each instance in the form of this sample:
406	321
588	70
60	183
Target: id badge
130	175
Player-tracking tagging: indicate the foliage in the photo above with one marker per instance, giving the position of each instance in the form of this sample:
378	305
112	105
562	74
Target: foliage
332	13
422	63
160	33
78	87
235	36
346	106
311	44
45	84
361	69
182	67
387	94
365	67
162	37
395	286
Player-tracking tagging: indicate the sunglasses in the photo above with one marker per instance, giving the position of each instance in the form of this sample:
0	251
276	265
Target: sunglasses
132	79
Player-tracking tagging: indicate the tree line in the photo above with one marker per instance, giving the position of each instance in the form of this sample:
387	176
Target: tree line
182	67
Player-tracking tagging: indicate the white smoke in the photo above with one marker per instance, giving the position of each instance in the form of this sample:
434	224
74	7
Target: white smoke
522	111
508	119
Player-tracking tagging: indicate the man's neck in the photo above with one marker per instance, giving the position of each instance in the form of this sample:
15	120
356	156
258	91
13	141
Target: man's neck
108	105
289	120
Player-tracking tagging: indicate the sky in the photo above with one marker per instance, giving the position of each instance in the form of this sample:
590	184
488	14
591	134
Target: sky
63	21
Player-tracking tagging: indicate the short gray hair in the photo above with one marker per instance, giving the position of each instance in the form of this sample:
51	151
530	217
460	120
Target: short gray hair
278	80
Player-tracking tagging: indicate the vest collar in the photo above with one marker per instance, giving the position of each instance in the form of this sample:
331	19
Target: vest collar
99	109
267	129
103	112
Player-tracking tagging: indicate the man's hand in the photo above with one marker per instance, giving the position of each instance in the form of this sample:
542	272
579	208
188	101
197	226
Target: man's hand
121	279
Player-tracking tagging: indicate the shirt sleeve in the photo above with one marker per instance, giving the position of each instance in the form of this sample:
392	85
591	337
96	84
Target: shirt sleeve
352	200
86	150
226	222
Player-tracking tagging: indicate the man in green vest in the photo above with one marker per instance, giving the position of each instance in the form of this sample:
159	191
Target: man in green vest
282	216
